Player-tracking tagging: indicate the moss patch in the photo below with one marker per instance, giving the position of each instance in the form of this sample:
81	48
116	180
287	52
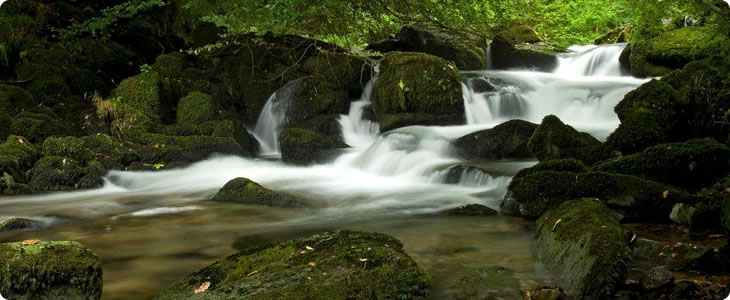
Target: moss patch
245	191
196	108
304	146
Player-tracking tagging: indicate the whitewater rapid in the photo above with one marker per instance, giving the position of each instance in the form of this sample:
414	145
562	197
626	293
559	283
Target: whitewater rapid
403	171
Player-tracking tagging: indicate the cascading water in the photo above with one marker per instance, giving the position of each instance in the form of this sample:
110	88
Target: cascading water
271	118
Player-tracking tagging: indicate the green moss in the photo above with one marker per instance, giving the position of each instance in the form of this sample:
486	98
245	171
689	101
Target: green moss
19	224
304	146
169	65
135	103
693	164
14	99
585	248
507	140
346	71
336	265
110	152
196	108
417	83
313	96
49	270
555	140
520	34
635	198
94	178
157	148
245	191
223	128
17	155
466	51
71	147
55	173
673	49
5	130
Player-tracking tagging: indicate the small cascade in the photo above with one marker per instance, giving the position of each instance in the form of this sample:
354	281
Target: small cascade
357	131
271	118
490	64
591	60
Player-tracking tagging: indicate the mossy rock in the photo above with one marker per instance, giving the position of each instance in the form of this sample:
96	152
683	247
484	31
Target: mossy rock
106	59
304	146
520	48
393	121
218	128
520	34
245	191
138	98
617	35
693	165
673	49
71	147
109	151
39	124
14	99
346	71
20	224
558	165
472	210
311	97
55	173
635	198
157	148
333	265
584	246
5	130
94	176
17	155
169	65
555	140
417	83
49	270
673	256
505	141
492	282
196	108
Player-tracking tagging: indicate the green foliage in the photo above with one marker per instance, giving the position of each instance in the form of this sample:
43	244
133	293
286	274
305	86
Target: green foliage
99	26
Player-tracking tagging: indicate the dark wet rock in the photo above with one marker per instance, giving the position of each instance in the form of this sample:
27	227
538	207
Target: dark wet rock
505	141
493	282
196	108
617	35
472	210
49	270
584	246
674	49
14	99
558	165
304	146
219	128
633	197
555	140
245	191
345	71
20	224
55	173
520	48
466	52
394	121
157	148
337	265
692	164
311	97
673	256
421	84
656	278
682	213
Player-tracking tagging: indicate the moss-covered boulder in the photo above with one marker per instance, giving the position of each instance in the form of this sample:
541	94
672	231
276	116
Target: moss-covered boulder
505	141
472	210
38	124
520	48
71	147
635	198
49	270
345	71
558	165
17	155
311	97
19	224
492	282
135	103
219	128
14	99
55	173
555	140
673	49
336	265
162	149
584	246
244	191
692	165
109	151
418	83
466	51
196	108
304	146
673	256
617	35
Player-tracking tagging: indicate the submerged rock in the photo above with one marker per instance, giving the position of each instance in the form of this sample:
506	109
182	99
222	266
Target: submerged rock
335	265
472	210
656	278
466	52
493	282
20	224
555	140
505	141
245	191
304	146
582	243
416	83
49	270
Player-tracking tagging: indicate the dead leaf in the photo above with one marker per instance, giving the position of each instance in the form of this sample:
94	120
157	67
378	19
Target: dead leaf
312	264
665	194
203	287
555	226
28	243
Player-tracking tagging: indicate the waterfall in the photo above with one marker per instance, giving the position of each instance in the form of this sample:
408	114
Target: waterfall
357	131
271	119
591	60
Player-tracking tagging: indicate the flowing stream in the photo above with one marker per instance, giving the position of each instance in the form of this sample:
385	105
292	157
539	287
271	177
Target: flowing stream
151	228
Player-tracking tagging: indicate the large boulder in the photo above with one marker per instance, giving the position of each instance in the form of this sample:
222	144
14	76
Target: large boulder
14	99
584	246
17	155
196	108
55	173
693	164
135	104
505	141
634	197
218	128
466	52
416	83
70	147
555	140
336	265
157	148
49	270
245	191
673	49
520	48
304	146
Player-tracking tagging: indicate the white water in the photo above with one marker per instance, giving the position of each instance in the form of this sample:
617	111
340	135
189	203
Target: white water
393	173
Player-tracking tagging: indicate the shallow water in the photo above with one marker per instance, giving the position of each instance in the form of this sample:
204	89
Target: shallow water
142	254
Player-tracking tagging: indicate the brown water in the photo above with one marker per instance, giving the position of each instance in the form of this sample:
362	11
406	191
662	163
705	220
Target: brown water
141	255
